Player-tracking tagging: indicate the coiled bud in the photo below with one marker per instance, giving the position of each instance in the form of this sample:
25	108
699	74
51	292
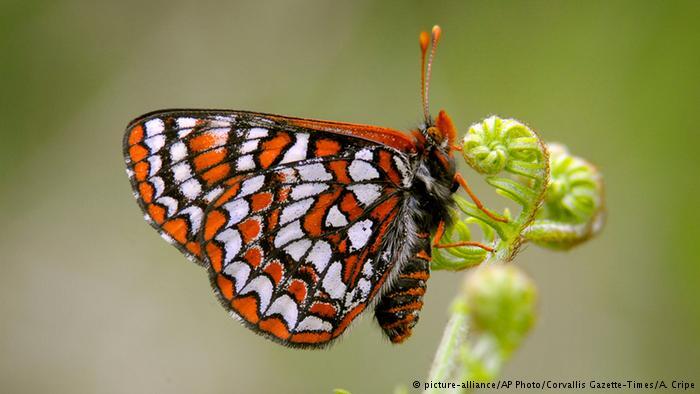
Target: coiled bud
573	209
574	191
498	144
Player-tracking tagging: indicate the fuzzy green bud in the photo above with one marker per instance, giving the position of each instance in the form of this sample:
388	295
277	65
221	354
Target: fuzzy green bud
498	144
574	191
501	301
573	209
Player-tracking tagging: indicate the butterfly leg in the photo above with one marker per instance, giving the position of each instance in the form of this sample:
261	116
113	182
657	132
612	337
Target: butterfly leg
398	309
463	182
441	231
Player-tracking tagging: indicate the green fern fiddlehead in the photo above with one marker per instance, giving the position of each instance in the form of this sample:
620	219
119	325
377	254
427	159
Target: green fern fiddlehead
561	205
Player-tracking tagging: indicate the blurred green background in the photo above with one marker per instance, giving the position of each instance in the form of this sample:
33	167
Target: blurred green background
92	300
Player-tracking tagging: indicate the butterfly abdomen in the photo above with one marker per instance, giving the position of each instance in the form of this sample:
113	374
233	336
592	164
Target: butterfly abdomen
398	310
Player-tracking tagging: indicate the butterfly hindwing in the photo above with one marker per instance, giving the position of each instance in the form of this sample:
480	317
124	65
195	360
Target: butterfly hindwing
298	252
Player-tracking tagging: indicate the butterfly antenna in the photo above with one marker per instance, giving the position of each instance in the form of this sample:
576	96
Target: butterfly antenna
426	40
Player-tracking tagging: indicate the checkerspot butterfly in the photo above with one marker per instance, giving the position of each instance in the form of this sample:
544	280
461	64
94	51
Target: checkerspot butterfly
302	224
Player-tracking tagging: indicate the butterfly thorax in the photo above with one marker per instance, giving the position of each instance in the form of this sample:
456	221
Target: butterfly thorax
432	189
434	178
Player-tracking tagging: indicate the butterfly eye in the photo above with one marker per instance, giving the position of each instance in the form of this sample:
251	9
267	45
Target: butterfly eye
435	135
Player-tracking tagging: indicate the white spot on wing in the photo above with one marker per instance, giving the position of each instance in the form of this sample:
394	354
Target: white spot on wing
308	189
232	243
181	172
314	172
186	123
237	210
298	150
263	287
169	203
154	163
286	307
295	210
195	217
332	282
405	173
288	233
184	132
158	184
249	146
298	248
320	255
252	185
364	154
245	163
359	233
257	132
155	143
335	218
366	193
367	269
213	194
313	323
154	127
191	189
362	170
239	271
364	286
178	152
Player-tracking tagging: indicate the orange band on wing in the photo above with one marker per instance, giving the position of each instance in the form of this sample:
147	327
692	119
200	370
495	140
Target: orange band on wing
383	135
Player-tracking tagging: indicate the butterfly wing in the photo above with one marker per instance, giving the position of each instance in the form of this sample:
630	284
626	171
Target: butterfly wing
296	219
178	160
297	252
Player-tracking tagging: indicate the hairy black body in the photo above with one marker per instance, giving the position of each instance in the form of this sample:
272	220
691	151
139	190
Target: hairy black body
428	202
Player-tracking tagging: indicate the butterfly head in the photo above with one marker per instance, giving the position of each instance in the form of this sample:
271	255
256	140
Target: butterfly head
441	133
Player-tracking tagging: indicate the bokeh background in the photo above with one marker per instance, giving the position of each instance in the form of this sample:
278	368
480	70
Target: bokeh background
92	300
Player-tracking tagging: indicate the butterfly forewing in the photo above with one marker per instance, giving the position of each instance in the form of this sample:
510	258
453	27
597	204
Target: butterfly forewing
290	215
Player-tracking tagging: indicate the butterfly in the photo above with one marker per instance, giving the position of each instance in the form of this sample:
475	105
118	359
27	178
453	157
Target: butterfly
301	224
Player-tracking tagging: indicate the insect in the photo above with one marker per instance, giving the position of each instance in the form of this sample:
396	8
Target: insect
302	224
